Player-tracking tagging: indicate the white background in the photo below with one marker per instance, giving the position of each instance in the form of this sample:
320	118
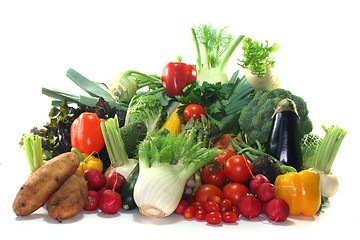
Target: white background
40	40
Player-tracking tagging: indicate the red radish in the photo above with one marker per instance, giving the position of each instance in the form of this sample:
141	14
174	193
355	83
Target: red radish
115	180
95	179
266	192
277	210
92	201
181	206
103	189
110	202
256	181
250	206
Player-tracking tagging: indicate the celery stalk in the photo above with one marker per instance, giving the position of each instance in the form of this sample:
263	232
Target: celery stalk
33	151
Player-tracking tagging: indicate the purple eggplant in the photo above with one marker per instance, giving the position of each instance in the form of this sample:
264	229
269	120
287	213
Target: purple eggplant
284	139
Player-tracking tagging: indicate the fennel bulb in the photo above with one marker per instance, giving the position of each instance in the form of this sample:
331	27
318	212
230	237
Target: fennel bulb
166	162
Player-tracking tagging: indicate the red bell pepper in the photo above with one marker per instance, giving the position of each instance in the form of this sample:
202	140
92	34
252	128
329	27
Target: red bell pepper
176	76
86	134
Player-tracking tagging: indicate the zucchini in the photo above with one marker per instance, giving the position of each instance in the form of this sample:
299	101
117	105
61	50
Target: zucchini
284	139
127	190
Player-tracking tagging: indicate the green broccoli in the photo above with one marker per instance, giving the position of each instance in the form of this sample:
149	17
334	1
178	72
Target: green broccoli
144	108
256	118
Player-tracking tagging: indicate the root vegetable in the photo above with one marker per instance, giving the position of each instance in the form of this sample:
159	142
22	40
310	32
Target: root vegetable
69	199
250	206
44	182
277	210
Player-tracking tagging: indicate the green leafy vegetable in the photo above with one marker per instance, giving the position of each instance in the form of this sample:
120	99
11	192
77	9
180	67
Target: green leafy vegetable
257	56
145	108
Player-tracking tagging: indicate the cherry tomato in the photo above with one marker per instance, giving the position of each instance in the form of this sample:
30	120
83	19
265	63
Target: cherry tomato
189	212
200	214
92	201
211	206
213	218
225	205
206	190
213	174
235	191
193	110
198	205
238	168
229	217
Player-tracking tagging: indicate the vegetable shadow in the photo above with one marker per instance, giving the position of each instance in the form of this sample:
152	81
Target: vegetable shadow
142	219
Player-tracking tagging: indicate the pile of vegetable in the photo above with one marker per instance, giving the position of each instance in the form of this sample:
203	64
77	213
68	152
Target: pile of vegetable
191	141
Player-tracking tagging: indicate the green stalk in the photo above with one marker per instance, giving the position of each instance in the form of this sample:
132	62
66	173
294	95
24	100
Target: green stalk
153	80
113	141
198	54
33	151
326	153
229	52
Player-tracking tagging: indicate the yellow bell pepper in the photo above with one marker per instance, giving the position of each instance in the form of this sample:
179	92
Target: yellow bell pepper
173	122
90	161
301	191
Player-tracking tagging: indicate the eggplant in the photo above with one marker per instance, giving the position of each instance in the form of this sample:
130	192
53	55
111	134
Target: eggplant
284	138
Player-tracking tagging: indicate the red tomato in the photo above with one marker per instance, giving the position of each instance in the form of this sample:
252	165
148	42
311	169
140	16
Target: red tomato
235	191
200	214
213	174
207	190
229	217
213	218
211	206
189	212
225	205
193	110
238	168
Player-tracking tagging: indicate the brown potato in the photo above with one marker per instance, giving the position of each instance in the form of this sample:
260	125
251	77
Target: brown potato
69	199
43	182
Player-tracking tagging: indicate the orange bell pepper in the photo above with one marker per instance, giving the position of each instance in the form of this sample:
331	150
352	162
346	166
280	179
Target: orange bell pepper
301	191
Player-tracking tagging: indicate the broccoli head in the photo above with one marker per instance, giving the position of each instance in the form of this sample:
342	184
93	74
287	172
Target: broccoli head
256	118
144	108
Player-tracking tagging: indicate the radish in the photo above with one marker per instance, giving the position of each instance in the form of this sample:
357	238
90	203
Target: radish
115	180
265	192
95	179
250	206
277	210
181	206
256	181
110	202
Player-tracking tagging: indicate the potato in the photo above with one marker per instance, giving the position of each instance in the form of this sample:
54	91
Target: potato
69	199
43	182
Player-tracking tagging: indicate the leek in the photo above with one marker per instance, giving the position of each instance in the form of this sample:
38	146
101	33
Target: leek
166	162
